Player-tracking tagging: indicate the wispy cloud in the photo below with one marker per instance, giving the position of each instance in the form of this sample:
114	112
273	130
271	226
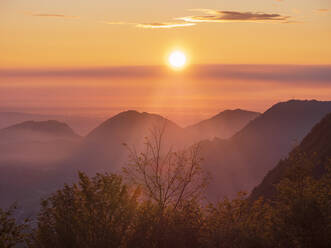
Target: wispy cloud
52	15
117	23
218	16
164	25
154	25
233	16
322	10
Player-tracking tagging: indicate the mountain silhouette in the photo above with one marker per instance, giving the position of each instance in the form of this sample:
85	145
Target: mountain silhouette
80	124
103	147
52	152
127	124
49	128
104	143
316	147
37	142
223	125
241	162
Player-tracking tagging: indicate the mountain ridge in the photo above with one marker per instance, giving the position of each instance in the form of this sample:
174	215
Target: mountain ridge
237	163
37	142
316	147
241	162
223	125
50	127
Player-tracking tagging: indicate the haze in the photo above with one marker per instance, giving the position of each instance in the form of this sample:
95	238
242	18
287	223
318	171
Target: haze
235	48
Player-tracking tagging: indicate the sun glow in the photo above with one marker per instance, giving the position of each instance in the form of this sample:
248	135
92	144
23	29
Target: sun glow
177	60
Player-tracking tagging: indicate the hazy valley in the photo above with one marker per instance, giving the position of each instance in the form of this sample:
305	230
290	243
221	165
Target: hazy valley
238	148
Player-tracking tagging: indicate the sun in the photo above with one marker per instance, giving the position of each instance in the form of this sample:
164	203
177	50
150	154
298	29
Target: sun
177	60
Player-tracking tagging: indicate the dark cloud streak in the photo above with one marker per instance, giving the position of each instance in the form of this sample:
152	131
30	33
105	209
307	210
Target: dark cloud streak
317	74
52	15
273	73
234	16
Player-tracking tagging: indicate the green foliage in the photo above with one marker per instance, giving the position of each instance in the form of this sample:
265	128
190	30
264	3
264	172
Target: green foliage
237	223
302	208
96	212
11	232
170	227
104	212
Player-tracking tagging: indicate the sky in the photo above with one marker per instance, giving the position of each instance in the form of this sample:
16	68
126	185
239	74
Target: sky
99	57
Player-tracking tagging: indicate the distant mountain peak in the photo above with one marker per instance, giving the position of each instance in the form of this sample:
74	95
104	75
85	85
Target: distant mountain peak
129	120
133	115
129	112
50	127
300	101
294	104
288	114
223	125
235	113
235	110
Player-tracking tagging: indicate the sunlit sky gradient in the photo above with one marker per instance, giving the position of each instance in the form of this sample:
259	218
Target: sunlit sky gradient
100	57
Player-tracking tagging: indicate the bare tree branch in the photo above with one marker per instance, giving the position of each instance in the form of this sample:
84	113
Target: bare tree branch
167	177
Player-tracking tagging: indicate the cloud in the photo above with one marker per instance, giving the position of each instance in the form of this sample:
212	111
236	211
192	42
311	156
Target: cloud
117	23
107	72
322	10
53	15
154	25
211	16
234	16
292	74
164	25
292	22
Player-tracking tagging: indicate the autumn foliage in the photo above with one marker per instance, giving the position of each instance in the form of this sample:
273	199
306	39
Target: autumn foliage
158	202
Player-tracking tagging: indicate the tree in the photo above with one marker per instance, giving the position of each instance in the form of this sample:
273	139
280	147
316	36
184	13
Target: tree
237	223
302	207
95	212
179	227
167	177
172	183
11	232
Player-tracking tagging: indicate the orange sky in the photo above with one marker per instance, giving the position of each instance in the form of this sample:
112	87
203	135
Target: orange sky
86	57
47	33
185	97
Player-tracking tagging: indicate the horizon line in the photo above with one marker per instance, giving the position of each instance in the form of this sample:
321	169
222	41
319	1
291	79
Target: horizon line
247	72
